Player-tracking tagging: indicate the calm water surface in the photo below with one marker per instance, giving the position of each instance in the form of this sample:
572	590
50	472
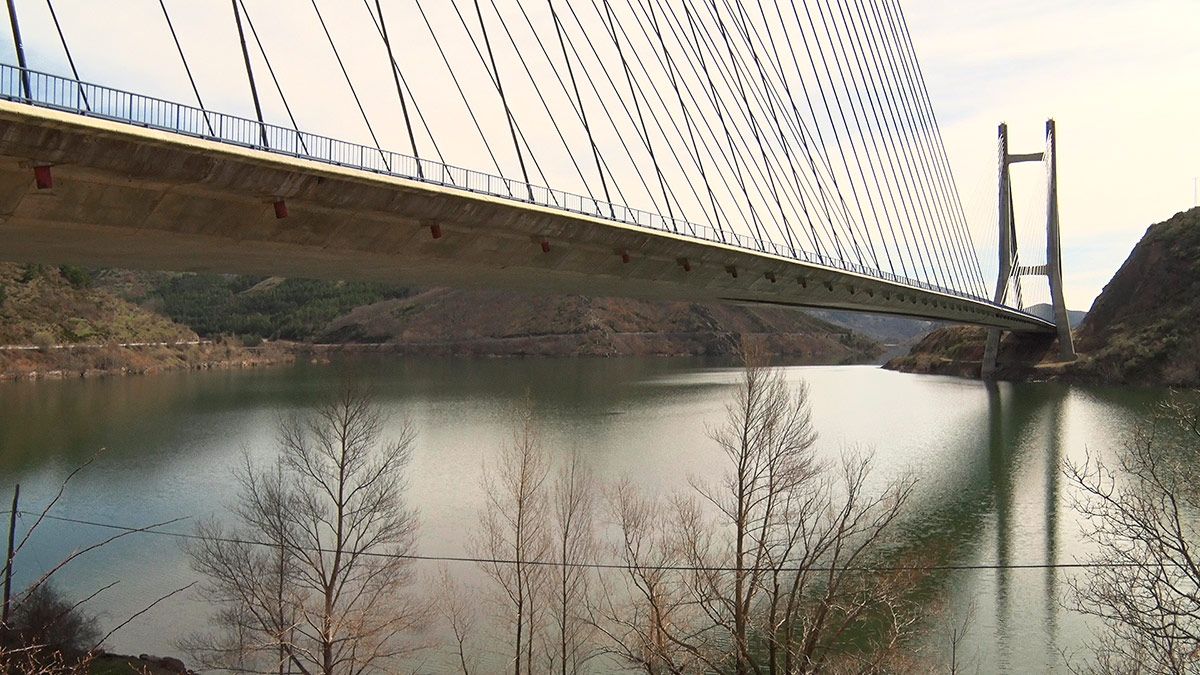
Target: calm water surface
987	459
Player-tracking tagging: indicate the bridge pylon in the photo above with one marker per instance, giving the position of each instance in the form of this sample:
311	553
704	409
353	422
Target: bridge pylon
1010	270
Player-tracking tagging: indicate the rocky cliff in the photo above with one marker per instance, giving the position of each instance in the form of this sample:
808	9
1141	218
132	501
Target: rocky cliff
1145	327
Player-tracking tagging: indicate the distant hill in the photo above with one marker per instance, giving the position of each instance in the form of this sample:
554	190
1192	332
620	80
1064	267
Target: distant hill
53	308
1046	311
888	329
478	322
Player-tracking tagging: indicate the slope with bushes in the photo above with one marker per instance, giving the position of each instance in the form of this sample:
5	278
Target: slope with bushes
43	305
57	322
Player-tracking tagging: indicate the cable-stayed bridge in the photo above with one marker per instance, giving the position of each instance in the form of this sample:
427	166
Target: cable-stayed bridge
741	150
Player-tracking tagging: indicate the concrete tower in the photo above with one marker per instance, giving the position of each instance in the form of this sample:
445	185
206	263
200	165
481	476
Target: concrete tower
1009	268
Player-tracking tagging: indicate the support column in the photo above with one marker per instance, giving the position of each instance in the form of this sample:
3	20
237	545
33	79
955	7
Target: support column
1004	222
1066	344
1052	270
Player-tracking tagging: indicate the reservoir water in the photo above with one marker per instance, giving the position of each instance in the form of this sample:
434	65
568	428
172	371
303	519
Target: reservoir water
987	459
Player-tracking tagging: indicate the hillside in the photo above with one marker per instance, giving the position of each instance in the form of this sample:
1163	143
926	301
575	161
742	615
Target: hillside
42	305
477	322
488	322
266	308
61	310
1142	329
54	322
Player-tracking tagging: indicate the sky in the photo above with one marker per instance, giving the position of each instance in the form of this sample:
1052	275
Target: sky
1120	77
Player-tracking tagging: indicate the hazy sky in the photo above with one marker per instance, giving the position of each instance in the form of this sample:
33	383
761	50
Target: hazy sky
1122	79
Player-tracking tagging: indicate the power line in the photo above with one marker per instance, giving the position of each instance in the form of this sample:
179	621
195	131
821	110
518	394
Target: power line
951	567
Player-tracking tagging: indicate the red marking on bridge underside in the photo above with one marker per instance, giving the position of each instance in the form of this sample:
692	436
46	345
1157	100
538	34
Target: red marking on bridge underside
42	177
281	209
435	230
545	246
624	256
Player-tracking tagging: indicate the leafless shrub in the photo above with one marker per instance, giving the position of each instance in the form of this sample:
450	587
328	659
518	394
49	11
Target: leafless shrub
42	632
514	534
1143	582
460	617
572	642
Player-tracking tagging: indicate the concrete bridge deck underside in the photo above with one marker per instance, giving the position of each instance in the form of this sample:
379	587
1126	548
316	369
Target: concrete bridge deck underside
130	197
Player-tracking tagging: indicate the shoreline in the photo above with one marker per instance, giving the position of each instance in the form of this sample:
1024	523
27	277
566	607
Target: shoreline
89	360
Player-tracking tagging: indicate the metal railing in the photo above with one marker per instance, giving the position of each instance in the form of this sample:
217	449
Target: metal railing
68	95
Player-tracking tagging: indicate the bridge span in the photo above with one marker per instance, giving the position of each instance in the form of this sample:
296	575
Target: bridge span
85	190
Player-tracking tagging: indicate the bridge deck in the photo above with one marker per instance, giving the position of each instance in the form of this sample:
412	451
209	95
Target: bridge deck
135	197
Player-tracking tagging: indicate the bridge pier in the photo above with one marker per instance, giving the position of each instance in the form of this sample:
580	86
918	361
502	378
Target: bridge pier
1009	269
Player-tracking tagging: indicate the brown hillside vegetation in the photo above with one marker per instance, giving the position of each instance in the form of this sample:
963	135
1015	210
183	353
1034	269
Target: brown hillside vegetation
78	330
489	322
45	305
1145	327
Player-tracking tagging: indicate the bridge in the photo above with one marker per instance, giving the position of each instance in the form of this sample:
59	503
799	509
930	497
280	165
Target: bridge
763	199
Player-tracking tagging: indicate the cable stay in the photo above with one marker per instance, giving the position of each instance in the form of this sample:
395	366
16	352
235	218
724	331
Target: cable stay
187	69
803	130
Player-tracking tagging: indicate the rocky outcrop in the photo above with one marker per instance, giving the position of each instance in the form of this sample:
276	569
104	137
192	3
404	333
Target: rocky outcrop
1145	327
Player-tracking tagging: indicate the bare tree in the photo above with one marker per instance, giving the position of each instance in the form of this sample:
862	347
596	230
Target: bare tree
514	536
1141	513
773	565
313	575
459	614
646	614
959	625
574	547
